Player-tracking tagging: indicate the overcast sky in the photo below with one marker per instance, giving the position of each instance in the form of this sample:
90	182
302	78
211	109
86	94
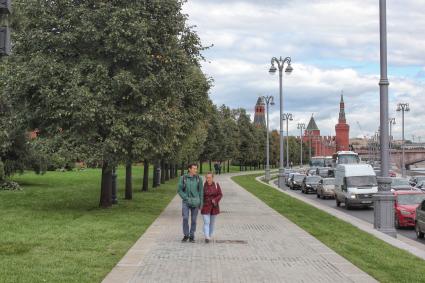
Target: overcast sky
334	46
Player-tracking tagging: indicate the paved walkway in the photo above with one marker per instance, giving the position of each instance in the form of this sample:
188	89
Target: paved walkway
253	243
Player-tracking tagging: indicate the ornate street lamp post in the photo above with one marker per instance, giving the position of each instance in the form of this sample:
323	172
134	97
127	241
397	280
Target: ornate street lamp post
269	101
280	64
384	199
403	107
287	117
301	127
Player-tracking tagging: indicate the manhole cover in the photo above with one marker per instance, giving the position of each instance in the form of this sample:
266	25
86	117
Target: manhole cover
231	242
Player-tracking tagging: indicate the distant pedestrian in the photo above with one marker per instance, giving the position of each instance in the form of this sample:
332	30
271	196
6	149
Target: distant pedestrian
219	168
216	167
291	164
210	209
191	190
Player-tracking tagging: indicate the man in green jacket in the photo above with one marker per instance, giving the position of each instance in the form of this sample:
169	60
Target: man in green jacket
191	190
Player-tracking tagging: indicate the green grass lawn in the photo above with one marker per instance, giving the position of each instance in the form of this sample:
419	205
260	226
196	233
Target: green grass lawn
53	230
379	259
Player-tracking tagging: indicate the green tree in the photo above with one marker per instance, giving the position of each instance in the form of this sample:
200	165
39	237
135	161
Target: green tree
100	74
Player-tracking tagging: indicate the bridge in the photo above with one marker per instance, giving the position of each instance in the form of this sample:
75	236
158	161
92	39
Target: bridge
411	156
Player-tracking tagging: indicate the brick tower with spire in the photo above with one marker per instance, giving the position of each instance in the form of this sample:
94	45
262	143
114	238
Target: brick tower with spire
260	113
342	129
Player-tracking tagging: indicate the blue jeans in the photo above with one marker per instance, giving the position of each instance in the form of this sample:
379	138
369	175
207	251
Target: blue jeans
209	221
194	214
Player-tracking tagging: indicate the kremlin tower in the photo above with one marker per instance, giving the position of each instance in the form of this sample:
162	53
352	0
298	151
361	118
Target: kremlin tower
260	112
328	145
342	129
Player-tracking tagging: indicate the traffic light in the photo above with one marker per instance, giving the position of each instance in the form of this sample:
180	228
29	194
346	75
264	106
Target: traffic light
5	6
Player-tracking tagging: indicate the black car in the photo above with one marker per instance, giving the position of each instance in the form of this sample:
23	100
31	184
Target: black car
420	220
310	184
416	180
420	185
296	181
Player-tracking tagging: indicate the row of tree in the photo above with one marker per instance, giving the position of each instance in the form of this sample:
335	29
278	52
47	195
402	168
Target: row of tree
114	82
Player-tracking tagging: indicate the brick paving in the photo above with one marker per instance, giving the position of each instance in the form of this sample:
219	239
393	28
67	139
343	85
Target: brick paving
252	243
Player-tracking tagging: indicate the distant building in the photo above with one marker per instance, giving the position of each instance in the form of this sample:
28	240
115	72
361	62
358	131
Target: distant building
328	145
260	113
342	129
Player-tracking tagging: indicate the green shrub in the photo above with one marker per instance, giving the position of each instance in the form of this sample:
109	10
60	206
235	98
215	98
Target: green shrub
10	186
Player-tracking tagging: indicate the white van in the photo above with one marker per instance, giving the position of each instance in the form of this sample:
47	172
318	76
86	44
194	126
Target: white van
355	185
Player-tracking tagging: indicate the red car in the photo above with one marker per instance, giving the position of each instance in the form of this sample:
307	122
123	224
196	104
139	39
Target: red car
392	174
406	203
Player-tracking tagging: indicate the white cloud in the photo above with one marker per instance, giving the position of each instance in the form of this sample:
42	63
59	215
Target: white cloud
334	45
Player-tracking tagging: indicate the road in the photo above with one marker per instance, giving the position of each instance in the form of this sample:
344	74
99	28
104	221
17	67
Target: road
365	214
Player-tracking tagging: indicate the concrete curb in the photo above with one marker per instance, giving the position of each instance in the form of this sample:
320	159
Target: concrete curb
400	242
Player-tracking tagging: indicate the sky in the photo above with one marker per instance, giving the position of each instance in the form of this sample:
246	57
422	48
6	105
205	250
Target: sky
334	47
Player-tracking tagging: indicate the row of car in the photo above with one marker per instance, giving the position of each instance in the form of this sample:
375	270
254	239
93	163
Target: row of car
355	185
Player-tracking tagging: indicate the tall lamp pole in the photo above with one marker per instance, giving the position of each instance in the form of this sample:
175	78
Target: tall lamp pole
301	127
269	101
384	199
403	107
392	122
280	64
287	117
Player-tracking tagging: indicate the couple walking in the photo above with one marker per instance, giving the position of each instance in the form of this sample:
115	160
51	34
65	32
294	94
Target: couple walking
197	195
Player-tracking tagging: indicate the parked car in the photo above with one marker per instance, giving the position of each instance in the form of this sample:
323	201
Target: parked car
391	173
311	171
355	185
323	172
420	185
287	172
287	181
310	184
420	220
326	188
398	184
414	180
296	181
405	206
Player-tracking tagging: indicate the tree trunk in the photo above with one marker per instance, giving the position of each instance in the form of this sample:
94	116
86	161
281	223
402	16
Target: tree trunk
106	186
162	164
154	175
182	169
128	181
176	170
228	166
171	169
200	167
146	175
210	166
167	171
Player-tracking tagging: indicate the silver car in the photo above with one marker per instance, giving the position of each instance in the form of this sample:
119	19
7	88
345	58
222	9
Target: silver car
326	188
398	184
